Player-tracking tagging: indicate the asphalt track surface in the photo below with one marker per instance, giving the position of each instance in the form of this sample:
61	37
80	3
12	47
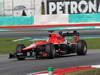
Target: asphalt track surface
35	34
14	67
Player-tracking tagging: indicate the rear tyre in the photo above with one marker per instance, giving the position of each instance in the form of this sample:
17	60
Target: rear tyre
81	47
51	51
19	53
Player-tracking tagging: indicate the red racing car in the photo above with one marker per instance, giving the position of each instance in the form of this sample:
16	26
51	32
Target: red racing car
56	45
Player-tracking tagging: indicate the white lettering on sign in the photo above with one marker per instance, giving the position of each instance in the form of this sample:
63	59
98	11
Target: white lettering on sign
52	7
85	4
73	7
92	6
59	7
66	6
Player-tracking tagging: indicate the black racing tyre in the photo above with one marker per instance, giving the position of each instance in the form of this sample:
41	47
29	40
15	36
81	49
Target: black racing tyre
20	57
19	53
37	51
51	51
81	47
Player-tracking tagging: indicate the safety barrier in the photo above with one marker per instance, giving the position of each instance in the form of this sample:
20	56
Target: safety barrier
16	20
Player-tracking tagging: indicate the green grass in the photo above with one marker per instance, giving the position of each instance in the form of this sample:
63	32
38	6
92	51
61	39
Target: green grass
7	46
93	43
86	72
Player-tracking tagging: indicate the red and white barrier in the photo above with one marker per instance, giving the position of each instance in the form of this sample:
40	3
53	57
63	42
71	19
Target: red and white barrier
66	70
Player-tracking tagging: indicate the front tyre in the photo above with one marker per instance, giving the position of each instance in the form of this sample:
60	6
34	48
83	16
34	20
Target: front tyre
50	50
81	47
19	53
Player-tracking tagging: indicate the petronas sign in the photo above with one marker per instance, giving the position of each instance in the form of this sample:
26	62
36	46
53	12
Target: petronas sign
73	6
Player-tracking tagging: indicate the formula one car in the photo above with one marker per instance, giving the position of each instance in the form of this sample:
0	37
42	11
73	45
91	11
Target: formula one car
56	45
